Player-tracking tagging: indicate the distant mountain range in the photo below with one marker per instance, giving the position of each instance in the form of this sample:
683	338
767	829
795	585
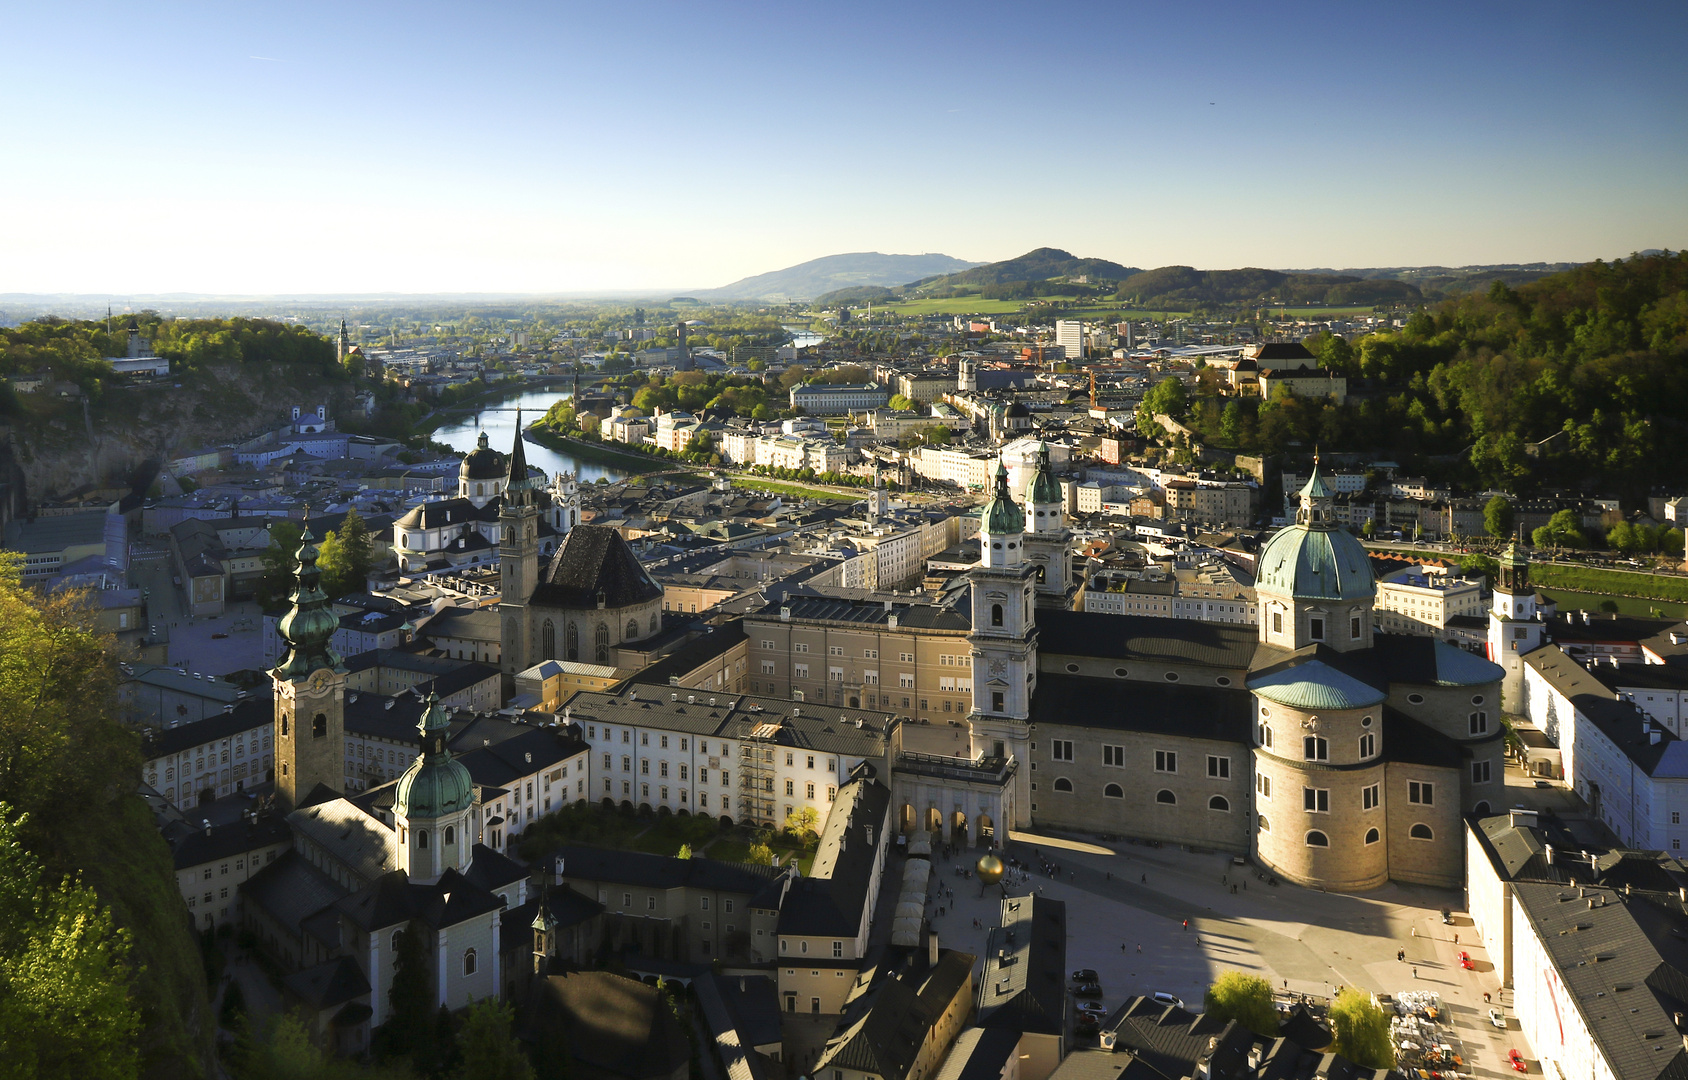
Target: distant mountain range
1051	271
805	281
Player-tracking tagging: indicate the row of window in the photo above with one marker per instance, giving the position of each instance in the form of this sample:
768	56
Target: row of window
1316	627
1318	838
1163	796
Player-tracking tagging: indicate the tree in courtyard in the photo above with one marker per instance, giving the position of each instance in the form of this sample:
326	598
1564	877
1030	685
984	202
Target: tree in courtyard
802	822
1497	517
409	1031
1361	1030
346	557
280	563
66	1007
1245	998
488	1045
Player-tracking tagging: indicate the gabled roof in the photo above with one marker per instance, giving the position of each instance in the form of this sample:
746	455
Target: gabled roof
613	1025
650	871
835	895
594	559
328	984
1023	986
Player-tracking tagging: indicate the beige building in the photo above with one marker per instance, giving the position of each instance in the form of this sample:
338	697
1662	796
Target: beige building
1425	600
1215	504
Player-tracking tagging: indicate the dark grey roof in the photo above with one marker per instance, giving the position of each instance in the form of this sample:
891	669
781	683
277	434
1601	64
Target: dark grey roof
502	763
833	898
1145	639
1518	852
1642	676
1611	972
802	725
567	908
648	871
1621	722
1172	1041
291	890
694	654
1024	983
333	982
868	610
248	714
594	559
221	841
884	1031
1283	350
438	513
473	624
1197	712
393	898
752	1004
490	870
1410	742
614	1025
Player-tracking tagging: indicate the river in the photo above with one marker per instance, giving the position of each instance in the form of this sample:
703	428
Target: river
802	337
500	427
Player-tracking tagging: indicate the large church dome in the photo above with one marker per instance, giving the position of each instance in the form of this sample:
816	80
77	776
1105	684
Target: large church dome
483	463
1314	559
436	785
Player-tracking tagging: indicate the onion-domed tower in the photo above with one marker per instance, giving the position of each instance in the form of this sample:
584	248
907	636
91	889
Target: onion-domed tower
310	689
1048	540
1315	581
1004	643
434	804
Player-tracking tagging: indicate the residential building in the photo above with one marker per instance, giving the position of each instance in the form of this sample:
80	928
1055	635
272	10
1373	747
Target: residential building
823	399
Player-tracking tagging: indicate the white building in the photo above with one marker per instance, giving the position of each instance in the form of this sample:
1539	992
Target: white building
1423	599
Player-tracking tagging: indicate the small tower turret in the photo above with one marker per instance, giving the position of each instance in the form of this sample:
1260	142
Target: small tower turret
310	685
1515	631
434	803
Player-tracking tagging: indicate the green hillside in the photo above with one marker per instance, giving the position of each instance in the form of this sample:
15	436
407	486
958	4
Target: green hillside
1038	265
1184	286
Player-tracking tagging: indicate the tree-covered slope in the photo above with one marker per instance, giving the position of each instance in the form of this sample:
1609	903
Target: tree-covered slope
832	272
1036	265
1182	287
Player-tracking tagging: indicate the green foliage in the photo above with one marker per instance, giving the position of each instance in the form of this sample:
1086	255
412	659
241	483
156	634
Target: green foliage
1361	1030
1497	517
66	1005
1165	398
286	1052
1563	529
1478	563
901	403
685	852
760	853
802	822
1245	998
346	557
410	1029
281	562
488	1045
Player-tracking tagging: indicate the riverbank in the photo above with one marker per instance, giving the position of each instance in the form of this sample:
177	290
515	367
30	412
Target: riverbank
601	453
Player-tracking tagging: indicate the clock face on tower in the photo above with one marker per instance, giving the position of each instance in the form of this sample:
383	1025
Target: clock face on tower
999	667
319	680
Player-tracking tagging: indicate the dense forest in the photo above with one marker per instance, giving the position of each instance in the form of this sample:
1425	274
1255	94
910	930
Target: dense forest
1575	382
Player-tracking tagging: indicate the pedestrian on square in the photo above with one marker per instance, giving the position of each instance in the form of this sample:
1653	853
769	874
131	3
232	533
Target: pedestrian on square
1145	879
1186	925
1139	946
1456	939
1415	973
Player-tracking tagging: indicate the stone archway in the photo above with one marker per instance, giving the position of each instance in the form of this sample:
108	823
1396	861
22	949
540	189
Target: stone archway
959	834
906	818
934	821
986	830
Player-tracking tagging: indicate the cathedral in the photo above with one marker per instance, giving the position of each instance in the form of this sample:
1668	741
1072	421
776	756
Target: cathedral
465	532
1334	755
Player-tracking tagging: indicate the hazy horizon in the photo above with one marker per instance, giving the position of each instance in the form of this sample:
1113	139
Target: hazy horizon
578	150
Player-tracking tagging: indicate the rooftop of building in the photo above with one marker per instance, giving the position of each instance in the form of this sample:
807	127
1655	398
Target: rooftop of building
1653	748
834	896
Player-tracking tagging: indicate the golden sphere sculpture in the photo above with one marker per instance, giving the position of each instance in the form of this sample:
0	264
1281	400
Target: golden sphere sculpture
990	869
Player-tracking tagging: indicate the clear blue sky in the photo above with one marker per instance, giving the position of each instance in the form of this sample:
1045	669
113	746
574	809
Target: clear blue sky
250	147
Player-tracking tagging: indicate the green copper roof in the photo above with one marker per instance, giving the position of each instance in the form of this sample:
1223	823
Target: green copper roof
1002	515
436	785
1315	562
1315	487
1315	685
310	623
1043	488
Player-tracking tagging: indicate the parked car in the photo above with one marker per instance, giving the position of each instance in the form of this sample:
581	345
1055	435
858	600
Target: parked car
1086	975
1497	1018
1092	1008
1165	998
1089	990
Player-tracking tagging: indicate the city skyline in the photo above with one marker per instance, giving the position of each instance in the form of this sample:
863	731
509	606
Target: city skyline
581	150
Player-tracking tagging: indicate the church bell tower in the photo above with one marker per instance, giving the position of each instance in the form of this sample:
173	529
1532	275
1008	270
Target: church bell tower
518	556
1003	640
1514	629
310	690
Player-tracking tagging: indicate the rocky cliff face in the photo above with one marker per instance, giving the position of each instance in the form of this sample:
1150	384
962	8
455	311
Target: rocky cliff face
63	444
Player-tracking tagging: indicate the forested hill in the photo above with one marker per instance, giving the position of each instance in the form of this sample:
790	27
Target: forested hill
832	272
1182	287
1575	382
1037	265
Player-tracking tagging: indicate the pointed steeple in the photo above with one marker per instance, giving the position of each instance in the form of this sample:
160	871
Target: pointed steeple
518	485
1315	499
310	624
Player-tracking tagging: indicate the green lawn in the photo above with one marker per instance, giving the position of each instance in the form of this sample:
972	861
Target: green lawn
666	834
1610	582
1569	600
776	488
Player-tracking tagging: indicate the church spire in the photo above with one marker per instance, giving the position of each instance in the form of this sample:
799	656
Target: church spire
518	485
310	624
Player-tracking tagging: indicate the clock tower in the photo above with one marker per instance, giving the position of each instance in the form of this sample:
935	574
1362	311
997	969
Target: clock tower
310	690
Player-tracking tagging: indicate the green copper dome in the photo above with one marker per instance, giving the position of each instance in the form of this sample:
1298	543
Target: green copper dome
310	624
1044	488
1001	515
436	785
1314	559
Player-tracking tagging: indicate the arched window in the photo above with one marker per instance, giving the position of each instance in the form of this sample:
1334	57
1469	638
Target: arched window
1317	839
1421	831
1166	797
1314	748
571	641
422	838
1063	784
1113	791
548	640
1219	803
632	629
603	641
468	961
656	621
319	726
1371	836
996	614
451	834
398	936
1481	809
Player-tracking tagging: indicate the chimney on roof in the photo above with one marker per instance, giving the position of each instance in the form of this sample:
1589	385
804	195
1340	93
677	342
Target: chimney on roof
1548	853
206	822
932	948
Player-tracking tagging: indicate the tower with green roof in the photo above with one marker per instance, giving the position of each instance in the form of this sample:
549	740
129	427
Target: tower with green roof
1314	579
310	689
1004	645
1048	541
1514	628
434	803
